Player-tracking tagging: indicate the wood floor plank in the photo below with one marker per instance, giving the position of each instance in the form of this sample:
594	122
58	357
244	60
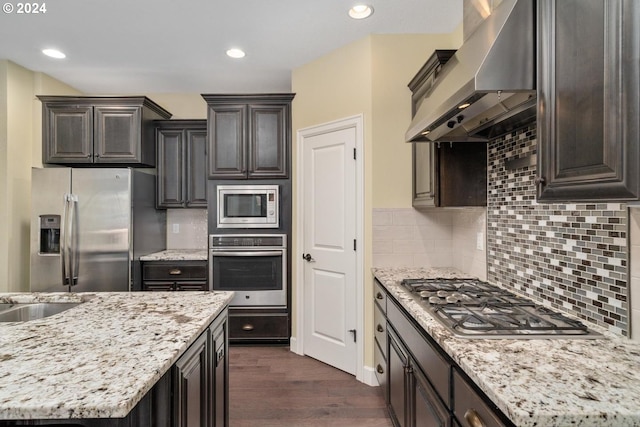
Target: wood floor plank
273	387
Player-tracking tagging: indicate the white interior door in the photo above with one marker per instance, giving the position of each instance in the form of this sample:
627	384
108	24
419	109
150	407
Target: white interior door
329	218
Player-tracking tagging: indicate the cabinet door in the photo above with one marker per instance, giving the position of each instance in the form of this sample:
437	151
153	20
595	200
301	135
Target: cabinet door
424	177
397	368
427	410
220	378
67	134
117	134
588	100
196	170
268	141
190	386
227	139
170	185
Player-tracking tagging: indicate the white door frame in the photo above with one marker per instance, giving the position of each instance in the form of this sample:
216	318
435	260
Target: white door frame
356	122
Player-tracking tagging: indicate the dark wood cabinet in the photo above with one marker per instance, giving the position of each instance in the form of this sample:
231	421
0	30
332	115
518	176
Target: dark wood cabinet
200	380
99	131
174	276
249	136
588	100
258	325
423	385
445	174
182	163
190	386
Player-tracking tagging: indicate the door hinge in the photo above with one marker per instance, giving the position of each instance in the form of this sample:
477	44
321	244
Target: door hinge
353	331
354	154
354	244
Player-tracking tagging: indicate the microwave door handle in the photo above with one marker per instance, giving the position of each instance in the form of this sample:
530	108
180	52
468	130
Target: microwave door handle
247	254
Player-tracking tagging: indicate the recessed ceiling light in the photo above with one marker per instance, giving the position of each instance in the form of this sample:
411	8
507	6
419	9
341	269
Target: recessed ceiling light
360	11
235	53
54	53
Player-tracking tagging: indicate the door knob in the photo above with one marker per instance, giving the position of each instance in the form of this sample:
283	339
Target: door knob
307	257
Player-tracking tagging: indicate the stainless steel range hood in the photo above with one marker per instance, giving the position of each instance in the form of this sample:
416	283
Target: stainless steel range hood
493	72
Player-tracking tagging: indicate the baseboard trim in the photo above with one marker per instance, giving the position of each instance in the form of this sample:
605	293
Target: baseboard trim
369	376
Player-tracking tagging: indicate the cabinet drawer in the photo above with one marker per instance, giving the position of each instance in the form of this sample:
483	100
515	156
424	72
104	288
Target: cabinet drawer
380	366
195	285
435	367
158	286
380	329
470	405
161	270
380	296
248	326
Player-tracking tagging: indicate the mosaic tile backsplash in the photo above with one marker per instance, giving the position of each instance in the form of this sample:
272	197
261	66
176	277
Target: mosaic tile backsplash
571	256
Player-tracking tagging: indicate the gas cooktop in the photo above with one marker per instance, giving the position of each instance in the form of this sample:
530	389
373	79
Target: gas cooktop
472	308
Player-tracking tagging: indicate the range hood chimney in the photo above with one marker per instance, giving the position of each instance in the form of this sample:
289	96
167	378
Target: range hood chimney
487	87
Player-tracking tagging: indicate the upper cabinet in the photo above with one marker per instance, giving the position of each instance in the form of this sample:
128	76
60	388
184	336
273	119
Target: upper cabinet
588	100
182	163
99	131
249	136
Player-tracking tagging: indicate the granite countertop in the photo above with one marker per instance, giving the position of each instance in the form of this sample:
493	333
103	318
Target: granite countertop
539	382
98	359
177	255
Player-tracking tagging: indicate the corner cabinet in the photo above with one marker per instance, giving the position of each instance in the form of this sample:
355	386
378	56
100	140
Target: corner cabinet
422	385
249	136
588	100
445	174
99	131
182	163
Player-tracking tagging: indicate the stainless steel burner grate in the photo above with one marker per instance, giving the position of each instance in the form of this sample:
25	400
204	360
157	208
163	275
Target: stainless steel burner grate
476	309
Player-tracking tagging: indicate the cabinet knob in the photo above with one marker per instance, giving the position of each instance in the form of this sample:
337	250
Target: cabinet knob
175	272
247	327
379	295
379	369
539	180
380	328
473	418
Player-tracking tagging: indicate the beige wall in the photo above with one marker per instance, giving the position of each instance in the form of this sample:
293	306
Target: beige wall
368	77
20	149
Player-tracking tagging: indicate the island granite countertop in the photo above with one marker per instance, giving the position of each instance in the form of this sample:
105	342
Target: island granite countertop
538	382
98	359
177	255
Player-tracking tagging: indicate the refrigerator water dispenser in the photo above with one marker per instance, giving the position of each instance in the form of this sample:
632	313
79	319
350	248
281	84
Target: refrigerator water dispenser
49	234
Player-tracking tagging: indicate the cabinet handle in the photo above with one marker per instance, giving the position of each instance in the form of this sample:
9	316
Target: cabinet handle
379	295
379	369
380	328
175	272
247	327
473	418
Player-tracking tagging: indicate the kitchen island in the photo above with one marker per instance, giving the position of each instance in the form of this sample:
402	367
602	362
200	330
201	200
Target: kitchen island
536	382
101	358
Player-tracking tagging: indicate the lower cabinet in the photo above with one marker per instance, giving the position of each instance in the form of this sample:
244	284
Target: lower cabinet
258	325
174	276
423	386
200	380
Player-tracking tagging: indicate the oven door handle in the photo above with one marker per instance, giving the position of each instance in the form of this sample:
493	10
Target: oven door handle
248	254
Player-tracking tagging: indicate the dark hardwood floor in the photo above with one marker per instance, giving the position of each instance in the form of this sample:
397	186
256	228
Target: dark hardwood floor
273	387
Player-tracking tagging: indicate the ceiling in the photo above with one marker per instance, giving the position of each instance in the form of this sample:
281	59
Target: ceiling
155	46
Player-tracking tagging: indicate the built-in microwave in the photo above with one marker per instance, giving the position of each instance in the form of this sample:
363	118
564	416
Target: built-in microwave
248	206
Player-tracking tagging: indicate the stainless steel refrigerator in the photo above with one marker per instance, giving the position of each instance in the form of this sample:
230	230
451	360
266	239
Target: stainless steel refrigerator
89	228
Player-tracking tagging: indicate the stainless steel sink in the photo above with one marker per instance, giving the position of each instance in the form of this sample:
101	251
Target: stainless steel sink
6	306
26	312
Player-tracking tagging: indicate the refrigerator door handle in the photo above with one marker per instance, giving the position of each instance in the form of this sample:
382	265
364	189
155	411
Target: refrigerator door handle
64	241
74	261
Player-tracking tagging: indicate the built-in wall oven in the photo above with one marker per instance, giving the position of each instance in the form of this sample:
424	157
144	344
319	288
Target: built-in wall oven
254	266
